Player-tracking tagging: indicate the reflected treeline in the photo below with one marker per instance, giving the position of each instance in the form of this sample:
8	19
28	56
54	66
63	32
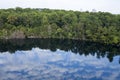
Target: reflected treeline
75	46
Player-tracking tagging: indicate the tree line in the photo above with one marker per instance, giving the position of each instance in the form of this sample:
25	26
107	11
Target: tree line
49	23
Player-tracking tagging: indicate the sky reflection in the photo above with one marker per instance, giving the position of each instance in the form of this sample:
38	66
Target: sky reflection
44	64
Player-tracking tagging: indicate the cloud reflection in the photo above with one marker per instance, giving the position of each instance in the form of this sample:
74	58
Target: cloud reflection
47	65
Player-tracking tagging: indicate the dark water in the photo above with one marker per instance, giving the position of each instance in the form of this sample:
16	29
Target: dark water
54	59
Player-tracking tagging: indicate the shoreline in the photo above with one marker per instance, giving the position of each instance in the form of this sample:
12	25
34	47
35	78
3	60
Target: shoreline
7	39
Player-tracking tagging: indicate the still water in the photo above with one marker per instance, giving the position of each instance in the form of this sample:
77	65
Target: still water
54	59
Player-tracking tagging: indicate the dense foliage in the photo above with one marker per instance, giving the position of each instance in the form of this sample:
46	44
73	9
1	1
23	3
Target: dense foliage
45	23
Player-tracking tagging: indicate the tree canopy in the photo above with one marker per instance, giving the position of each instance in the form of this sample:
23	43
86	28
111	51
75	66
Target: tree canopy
48	23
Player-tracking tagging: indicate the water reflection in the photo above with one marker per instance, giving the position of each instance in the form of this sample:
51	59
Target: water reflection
44	64
75	46
49	59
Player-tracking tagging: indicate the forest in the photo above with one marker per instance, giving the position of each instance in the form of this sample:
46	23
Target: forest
99	26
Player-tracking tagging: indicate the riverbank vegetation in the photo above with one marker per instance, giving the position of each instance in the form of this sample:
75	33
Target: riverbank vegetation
47	23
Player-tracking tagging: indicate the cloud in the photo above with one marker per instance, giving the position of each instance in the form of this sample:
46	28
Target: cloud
99	5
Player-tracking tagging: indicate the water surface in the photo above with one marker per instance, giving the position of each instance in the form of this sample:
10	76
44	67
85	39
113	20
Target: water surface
51	59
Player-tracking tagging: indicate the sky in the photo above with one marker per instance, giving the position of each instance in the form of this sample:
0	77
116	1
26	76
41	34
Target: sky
76	5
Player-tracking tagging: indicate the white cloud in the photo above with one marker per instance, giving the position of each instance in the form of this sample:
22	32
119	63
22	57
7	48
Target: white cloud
99	5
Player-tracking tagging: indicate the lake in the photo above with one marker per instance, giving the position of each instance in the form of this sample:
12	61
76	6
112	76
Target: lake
58	59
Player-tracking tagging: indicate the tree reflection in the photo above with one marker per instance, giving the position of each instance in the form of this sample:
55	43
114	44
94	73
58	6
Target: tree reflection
75	46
